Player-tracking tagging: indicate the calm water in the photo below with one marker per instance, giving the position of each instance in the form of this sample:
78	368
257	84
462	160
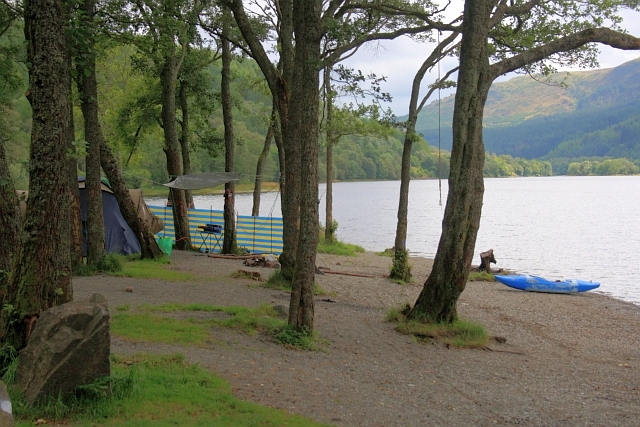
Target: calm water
558	227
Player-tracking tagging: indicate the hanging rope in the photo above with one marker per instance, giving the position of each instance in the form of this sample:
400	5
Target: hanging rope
439	161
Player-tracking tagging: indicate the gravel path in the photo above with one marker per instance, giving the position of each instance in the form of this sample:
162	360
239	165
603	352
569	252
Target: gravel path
568	360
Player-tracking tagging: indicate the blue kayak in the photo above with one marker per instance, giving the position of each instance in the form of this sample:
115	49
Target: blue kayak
539	284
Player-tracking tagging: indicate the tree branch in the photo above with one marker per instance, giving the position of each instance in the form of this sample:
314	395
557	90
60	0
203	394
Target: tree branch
606	36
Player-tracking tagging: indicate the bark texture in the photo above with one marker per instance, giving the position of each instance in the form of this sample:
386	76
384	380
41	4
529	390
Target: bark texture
88	90
229	245
148	245
41	280
305	102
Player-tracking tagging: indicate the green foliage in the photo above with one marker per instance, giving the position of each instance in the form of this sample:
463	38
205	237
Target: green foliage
111	263
297	338
161	391
149	328
8	363
400	267
606	167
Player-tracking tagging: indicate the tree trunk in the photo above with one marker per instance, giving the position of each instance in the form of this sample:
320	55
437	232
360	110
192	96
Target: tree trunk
75	210
305	102
40	279
88	89
438	300
148	246
10	221
185	139
229	245
329	229
168	78
257	187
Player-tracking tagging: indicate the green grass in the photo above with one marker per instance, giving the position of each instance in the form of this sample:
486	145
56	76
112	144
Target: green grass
481	276
190	331
153	269
390	252
149	328
162	391
339	248
460	333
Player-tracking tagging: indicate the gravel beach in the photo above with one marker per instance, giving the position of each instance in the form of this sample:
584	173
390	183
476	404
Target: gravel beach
568	360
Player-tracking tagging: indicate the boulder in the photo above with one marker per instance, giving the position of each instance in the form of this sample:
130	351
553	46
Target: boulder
6	417
69	347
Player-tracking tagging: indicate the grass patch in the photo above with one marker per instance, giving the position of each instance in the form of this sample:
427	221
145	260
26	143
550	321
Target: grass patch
339	248
481	276
149	327
153	269
390	252
279	282
460	333
162	391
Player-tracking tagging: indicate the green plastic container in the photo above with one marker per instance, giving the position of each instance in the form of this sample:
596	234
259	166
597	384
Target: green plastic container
166	245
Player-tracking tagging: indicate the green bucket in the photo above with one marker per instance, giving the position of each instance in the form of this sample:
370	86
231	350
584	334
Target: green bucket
166	245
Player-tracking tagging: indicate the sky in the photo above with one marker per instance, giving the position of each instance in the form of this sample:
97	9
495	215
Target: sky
399	60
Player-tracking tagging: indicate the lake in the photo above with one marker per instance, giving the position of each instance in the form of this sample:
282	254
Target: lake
557	227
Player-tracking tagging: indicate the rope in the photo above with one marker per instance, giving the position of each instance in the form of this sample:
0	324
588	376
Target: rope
439	161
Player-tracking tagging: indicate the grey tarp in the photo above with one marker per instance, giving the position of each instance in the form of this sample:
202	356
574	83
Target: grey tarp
196	181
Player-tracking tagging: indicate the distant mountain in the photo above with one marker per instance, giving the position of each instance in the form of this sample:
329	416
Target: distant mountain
597	113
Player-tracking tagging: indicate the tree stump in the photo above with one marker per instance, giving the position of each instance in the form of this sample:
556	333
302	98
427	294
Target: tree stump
486	258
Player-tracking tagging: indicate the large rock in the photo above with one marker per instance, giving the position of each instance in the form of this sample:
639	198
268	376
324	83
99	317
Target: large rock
69	347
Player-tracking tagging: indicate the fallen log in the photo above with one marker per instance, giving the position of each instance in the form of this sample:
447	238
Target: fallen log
240	257
350	274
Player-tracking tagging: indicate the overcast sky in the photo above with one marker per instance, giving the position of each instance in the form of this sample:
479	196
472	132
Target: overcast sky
399	60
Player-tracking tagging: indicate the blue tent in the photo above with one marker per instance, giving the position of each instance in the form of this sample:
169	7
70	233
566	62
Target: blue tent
118	236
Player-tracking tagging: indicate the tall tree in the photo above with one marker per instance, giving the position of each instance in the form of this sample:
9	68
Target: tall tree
88	90
290	85
257	186
305	100
229	245
400	269
162	31
504	32
41	280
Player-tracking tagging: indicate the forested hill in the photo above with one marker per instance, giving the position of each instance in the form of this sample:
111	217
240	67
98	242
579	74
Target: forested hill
597	114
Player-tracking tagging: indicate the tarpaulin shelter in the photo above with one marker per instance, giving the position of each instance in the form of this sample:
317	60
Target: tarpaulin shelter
197	181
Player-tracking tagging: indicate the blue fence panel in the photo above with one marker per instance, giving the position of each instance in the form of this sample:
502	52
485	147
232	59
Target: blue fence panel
254	234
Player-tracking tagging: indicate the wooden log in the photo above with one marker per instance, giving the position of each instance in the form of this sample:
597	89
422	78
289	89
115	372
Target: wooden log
350	274
240	257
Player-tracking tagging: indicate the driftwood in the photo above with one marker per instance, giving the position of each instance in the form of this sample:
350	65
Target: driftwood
486	258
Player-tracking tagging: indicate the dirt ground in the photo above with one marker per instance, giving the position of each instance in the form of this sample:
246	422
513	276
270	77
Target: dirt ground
568	360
